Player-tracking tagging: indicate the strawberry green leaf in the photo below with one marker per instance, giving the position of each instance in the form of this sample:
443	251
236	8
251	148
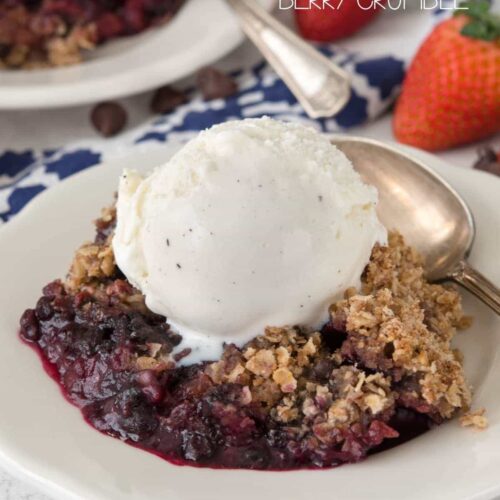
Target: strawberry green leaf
475	8
478	30
483	25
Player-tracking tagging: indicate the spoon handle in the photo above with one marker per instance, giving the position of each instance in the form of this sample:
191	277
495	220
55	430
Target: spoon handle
321	87
476	283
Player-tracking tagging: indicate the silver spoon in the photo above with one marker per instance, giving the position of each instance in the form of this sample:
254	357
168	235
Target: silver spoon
426	209
321	87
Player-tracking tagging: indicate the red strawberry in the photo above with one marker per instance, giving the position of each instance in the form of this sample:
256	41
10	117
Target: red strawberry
451	94
326	24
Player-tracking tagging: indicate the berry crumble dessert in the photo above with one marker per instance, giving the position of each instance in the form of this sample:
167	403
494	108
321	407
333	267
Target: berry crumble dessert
42	33
373	369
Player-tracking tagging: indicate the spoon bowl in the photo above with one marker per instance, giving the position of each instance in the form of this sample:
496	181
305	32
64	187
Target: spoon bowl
425	209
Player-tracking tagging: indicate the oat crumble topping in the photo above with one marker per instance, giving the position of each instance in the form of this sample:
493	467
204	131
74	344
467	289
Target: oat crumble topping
476	419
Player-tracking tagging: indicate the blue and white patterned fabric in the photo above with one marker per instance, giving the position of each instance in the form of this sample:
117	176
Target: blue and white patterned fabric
375	84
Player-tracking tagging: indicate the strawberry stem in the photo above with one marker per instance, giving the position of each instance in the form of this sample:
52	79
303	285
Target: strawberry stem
483	24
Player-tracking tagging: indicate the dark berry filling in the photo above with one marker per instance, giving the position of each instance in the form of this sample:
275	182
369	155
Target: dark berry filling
88	346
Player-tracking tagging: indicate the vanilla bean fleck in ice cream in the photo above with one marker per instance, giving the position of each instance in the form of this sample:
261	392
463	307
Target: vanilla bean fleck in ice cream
253	223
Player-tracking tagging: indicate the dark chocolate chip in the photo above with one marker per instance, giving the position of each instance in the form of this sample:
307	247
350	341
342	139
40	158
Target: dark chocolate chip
214	84
108	118
166	99
492	168
488	160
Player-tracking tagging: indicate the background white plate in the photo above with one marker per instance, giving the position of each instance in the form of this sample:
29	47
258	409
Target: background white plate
201	32
44	439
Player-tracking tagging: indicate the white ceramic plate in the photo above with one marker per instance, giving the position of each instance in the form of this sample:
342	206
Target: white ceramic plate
201	32
44	439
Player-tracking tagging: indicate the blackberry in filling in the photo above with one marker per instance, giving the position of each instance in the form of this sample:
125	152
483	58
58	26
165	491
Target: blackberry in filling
380	372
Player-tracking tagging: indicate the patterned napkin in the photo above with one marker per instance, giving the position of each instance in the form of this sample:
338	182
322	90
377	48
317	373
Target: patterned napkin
375	84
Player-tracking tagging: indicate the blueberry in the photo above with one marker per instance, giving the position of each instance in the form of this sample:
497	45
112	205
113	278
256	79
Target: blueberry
30	329
54	289
44	310
254	458
196	446
135	417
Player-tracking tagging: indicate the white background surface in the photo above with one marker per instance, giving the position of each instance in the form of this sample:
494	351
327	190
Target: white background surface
52	128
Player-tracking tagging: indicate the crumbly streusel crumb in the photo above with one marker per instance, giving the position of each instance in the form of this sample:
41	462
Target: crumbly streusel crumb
91	262
65	51
404	325
476	419
94	261
398	268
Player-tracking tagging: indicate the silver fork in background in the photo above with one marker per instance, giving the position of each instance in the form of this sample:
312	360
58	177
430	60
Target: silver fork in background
321	87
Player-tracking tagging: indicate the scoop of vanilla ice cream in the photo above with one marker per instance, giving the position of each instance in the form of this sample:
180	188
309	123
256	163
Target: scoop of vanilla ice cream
254	223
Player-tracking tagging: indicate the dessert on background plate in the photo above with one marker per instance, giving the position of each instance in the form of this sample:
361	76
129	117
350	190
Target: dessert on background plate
243	307
41	33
